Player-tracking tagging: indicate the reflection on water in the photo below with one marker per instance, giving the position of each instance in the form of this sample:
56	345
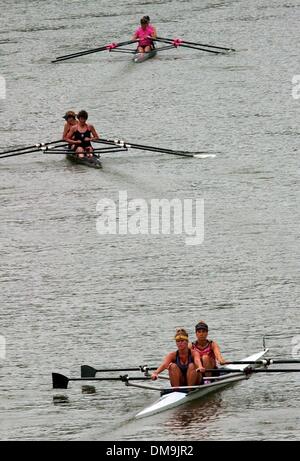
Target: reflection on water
61	400
88	389
194	415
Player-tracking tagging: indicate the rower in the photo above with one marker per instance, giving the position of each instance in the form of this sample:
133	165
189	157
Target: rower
151	25
81	135
208	350
144	34
184	365
70	118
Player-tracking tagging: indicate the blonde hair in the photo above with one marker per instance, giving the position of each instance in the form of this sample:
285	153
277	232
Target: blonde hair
181	333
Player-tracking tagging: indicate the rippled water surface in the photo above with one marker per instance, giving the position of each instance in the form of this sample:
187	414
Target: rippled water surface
71	296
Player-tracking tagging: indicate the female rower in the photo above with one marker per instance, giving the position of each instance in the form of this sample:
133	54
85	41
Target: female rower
151	25
144	35
81	136
184	365
208	351
70	118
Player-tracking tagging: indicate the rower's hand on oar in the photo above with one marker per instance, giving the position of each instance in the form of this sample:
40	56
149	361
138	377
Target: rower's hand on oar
154	376
200	370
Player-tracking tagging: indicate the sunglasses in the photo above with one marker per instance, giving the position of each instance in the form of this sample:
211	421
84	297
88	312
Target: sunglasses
201	330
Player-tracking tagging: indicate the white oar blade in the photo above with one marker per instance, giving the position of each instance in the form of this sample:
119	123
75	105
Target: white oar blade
205	156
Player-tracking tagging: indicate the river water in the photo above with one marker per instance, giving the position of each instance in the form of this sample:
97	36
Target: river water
71	296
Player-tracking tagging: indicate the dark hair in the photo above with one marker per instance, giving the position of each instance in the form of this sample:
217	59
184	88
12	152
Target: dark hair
201	326
144	20
83	114
147	18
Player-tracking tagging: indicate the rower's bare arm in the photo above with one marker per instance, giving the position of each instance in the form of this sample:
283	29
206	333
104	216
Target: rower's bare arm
163	366
197	361
154	33
66	129
94	133
220	359
69	137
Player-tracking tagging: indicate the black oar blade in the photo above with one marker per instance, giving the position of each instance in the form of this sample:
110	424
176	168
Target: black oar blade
87	371
59	381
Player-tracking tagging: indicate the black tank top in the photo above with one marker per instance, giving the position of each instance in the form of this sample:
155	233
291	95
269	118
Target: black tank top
78	136
182	366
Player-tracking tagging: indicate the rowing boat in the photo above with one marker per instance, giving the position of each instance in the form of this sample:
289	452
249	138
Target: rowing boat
93	162
175	399
141	57
168	43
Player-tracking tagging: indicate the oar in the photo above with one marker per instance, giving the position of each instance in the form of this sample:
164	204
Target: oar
90	372
178	42
30	147
121	143
61	382
263	362
249	370
43	149
194	43
108	47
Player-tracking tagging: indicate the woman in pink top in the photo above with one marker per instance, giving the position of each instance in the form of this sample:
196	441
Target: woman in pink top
144	35
208	350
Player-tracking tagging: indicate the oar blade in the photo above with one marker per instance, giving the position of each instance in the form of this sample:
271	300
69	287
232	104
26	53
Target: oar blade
87	371
59	381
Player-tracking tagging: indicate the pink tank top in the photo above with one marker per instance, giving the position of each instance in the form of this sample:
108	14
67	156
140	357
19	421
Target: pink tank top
206	350
142	35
